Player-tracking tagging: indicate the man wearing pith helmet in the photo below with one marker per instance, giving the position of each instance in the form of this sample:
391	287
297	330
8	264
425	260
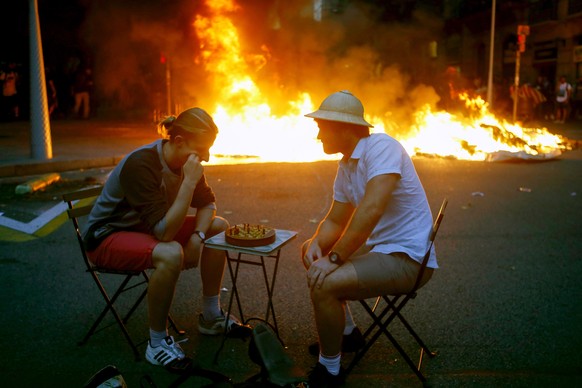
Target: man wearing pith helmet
374	236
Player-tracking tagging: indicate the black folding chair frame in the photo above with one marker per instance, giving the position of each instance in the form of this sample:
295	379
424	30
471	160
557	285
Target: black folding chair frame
394	304
79	205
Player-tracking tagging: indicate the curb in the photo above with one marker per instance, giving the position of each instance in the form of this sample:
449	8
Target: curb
37	184
56	165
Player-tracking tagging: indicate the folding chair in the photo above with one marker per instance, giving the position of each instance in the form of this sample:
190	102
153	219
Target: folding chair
79	205
392	308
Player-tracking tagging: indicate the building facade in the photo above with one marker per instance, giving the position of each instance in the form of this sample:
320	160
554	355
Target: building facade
553	47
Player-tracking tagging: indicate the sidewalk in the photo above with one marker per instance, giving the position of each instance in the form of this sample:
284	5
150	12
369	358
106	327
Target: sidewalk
76	144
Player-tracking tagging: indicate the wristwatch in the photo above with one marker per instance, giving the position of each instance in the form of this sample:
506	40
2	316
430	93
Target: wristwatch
200	234
335	258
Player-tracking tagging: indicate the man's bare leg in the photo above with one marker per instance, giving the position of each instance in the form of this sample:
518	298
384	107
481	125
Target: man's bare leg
167	260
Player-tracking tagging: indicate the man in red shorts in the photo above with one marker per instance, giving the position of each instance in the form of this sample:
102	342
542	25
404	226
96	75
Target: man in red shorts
142	219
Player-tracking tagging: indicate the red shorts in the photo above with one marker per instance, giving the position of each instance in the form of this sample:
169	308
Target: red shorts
126	250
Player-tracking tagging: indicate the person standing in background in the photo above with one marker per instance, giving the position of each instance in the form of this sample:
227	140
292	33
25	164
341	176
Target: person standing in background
563	95
82	86
577	100
10	80
51	92
544	109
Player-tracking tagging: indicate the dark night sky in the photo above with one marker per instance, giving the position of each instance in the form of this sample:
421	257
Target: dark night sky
61	24
59	20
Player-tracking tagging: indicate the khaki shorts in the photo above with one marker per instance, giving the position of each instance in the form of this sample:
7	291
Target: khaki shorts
387	274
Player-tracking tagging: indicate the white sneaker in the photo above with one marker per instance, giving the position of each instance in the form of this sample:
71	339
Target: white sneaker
169	354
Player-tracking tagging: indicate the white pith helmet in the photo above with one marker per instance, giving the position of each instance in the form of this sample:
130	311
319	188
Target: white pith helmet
341	106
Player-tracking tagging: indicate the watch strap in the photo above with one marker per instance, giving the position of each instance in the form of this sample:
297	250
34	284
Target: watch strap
200	234
337	258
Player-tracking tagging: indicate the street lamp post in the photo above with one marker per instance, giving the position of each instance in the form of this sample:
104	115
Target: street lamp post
168	88
522	32
491	52
40	130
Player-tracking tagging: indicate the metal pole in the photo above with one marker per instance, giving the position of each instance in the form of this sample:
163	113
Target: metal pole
516	84
40	129
491	52
168	88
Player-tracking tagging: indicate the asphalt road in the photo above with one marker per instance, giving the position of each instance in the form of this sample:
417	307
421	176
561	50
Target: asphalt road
504	309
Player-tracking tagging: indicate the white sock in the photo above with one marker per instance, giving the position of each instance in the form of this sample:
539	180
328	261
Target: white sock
211	307
332	364
156	337
350	324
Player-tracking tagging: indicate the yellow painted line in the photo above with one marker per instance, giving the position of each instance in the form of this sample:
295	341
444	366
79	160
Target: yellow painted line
43	225
7	234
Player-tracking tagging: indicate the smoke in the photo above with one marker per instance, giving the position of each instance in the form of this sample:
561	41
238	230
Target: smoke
132	44
287	53
352	50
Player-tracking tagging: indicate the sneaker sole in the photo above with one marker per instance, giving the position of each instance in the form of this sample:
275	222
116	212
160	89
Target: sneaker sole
178	366
218	331
236	330
205	331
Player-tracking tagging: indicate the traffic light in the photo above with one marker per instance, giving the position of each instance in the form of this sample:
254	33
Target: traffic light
522	33
521	43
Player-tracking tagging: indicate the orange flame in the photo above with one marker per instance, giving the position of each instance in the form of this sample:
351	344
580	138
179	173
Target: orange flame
249	132
480	137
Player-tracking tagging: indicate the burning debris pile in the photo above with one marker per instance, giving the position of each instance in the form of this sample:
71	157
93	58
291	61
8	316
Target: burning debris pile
480	136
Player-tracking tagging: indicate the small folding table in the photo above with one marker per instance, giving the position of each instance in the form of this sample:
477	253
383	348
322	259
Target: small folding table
238	255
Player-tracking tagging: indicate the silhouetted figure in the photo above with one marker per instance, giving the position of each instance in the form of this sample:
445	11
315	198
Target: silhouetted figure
563	95
51	93
10	82
82	87
544	109
577	100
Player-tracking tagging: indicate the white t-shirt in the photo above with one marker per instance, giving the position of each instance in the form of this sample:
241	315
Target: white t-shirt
563	90
407	221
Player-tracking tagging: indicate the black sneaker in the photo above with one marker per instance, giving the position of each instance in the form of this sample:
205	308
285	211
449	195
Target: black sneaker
319	377
350	343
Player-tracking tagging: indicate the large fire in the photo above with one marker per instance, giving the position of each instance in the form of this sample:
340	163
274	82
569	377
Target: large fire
250	132
480	137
